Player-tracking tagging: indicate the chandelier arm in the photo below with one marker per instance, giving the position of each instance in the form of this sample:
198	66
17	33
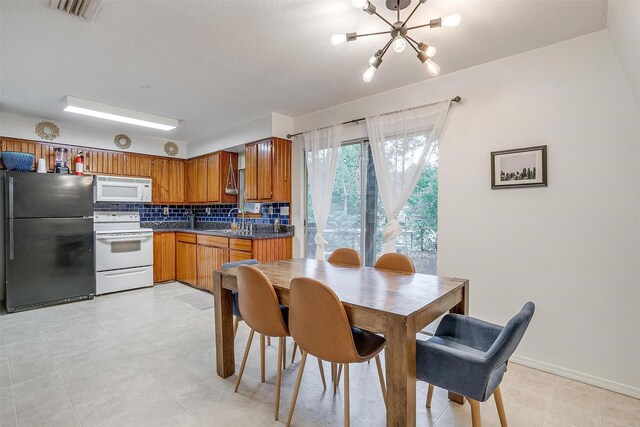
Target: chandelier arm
419	26
373	34
409	38
385	48
404	24
382	17
412	45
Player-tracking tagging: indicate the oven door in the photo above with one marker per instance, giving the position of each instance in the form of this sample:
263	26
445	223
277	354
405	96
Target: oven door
123	250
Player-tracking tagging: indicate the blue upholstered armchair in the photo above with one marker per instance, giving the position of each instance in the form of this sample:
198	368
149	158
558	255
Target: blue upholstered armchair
469	357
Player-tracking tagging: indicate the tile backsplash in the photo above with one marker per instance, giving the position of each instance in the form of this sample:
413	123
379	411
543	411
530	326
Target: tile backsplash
217	213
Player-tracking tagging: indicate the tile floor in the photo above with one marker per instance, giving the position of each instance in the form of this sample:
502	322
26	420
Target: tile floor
146	357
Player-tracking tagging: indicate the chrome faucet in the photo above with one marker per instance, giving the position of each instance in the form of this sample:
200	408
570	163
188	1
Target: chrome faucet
242	225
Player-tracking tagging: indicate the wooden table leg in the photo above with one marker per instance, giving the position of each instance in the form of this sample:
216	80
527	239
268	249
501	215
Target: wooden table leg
400	361
461	308
225	360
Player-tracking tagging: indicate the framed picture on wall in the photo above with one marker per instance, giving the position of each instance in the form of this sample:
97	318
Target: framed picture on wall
521	167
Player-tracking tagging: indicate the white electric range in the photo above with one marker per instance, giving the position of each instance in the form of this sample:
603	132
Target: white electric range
124	252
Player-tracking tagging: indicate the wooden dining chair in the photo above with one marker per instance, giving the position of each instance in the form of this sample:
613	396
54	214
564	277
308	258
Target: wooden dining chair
319	324
396	262
237	316
263	314
345	256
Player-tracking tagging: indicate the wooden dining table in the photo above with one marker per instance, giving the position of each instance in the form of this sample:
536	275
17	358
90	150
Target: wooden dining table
395	304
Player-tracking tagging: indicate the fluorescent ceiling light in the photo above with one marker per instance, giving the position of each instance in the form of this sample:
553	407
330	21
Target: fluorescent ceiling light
118	114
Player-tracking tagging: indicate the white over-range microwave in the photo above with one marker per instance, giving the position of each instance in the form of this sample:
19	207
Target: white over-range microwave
122	189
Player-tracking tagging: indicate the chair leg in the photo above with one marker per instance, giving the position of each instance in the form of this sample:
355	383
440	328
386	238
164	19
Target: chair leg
429	395
346	395
476	421
284	354
236	323
297	387
381	377
244	359
269	341
295	347
497	395
278	376
324	384
334	376
261	358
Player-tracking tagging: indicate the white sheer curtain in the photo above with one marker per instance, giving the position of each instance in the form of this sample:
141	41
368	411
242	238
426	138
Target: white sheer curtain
401	145
321	147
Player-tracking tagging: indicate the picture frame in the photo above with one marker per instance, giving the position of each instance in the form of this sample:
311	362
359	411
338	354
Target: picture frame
520	167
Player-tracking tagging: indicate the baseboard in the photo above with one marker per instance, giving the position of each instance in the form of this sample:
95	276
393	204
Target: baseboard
578	376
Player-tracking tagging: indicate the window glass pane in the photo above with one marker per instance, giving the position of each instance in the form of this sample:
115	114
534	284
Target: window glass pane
344	224
419	221
419	218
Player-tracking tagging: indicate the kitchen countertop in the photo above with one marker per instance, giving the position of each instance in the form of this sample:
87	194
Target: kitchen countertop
260	231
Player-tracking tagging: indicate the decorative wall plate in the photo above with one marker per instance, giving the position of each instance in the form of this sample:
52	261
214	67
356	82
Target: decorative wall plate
47	130
122	141
171	148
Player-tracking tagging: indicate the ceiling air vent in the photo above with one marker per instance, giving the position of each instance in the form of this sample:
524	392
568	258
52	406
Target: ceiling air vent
81	8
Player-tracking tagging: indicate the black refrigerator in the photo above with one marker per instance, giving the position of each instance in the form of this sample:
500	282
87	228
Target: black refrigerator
48	234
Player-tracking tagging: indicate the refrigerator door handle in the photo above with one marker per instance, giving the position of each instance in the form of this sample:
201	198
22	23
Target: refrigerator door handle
11	243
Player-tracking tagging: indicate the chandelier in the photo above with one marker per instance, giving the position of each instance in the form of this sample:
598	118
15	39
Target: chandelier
399	37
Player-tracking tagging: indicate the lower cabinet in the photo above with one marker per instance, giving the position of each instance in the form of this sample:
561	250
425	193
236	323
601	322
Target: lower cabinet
198	256
264	250
212	251
186	258
164	257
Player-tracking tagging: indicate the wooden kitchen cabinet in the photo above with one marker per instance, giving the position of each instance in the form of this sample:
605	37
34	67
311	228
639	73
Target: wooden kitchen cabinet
264	250
207	178
197	180
268	171
104	162
164	257
168	177
212	252
197	256
186	258
137	165
218	165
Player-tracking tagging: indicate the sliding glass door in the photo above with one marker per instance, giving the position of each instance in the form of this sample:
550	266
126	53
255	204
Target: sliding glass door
357	215
344	226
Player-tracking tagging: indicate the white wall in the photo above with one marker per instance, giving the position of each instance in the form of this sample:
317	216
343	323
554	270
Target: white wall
571	247
623	23
17	126
253	130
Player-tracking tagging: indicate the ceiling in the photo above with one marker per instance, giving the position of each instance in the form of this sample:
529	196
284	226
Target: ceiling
218	63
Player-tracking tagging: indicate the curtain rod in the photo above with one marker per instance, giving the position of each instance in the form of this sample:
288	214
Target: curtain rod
457	99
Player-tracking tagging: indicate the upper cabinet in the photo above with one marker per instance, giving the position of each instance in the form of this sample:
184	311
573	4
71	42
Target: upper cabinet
268	171
207	177
168	176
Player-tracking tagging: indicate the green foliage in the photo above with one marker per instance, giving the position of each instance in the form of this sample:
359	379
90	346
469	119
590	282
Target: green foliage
421	210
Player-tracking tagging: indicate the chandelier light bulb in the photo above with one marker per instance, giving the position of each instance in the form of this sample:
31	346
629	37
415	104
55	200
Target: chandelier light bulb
399	44
431	51
360	4
432	68
372	60
337	39
452	20
368	75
